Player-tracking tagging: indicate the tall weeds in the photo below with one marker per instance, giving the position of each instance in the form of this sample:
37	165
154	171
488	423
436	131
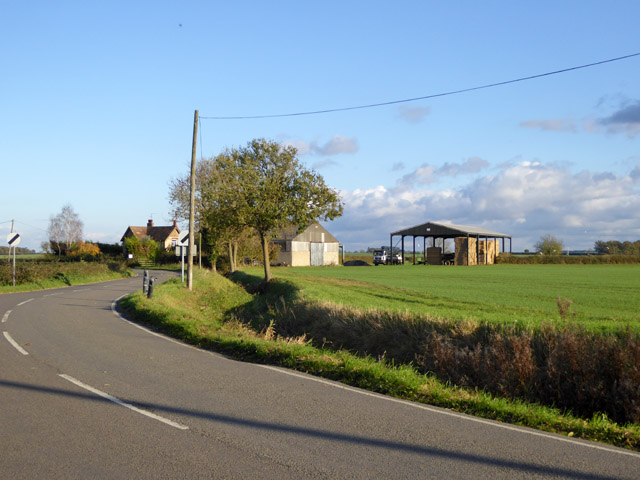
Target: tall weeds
559	364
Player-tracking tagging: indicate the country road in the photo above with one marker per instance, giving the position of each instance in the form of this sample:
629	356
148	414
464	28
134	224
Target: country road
86	394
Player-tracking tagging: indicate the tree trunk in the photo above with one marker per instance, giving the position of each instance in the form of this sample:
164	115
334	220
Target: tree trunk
235	254
232	267
265	256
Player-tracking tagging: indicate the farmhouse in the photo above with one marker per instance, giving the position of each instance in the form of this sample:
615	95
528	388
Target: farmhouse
314	246
167	236
472	245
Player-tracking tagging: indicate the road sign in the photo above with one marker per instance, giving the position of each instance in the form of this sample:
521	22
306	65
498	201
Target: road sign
183	239
14	239
180	251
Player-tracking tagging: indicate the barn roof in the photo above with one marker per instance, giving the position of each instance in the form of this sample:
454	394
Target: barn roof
446	230
313	233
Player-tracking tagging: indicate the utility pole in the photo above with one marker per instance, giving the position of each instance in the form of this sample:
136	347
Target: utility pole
192	204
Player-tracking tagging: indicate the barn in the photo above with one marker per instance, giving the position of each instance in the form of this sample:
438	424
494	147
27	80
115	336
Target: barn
472	245
314	246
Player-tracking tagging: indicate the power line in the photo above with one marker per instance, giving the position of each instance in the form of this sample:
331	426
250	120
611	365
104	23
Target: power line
415	99
31	226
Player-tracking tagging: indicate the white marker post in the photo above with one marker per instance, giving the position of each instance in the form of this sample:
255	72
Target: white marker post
13	239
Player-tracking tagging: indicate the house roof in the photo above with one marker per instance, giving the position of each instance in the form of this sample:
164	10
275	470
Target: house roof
160	233
445	230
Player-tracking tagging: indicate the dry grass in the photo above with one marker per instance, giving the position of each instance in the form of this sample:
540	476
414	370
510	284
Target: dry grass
559	364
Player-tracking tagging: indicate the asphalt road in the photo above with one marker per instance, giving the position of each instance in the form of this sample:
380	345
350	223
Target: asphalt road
86	394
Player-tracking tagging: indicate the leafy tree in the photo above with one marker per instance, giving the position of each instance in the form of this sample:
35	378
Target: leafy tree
65	229
85	250
267	189
146	248
549	245
615	247
262	187
218	230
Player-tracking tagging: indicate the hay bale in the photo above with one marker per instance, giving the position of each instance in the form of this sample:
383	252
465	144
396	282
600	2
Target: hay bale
356	263
466	251
434	256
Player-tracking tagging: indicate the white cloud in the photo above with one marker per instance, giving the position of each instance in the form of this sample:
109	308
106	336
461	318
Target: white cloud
413	114
471	165
336	146
324	163
626	120
554	125
525	200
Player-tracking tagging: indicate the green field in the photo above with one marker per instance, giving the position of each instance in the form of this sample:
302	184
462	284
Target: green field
604	297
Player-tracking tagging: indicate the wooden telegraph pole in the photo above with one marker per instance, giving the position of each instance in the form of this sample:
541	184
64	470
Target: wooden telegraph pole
192	204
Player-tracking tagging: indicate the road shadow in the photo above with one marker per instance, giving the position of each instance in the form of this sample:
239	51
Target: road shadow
298	433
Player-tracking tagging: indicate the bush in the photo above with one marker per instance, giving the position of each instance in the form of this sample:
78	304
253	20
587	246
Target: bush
587	373
37	272
567	259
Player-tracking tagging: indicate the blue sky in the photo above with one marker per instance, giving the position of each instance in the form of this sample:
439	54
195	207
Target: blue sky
98	98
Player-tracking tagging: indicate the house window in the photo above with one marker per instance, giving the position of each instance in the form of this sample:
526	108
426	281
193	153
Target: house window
174	242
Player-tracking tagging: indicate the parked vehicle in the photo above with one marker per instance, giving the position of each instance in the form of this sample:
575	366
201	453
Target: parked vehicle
383	257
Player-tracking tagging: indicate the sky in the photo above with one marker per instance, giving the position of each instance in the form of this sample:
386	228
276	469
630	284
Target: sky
97	101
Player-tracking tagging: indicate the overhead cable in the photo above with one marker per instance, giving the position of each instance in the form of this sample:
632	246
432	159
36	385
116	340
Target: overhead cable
425	97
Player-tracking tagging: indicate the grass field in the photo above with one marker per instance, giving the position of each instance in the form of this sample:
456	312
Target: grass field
604	297
31	256
211	317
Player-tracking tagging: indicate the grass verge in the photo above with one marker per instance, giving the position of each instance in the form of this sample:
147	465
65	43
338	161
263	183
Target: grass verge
206	317
54	275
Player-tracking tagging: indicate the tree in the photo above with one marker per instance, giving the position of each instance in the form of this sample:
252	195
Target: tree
261	186
145	248
216	226
549	245
65	229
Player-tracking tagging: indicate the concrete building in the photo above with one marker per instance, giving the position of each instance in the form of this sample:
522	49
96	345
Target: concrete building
314	246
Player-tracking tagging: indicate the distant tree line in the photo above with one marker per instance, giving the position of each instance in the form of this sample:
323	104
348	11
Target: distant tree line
19	251
615	247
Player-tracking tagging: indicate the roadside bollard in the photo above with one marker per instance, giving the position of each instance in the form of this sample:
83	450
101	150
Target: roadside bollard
151	282
145	282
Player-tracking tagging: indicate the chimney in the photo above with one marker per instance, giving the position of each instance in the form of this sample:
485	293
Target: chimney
175	223
150	223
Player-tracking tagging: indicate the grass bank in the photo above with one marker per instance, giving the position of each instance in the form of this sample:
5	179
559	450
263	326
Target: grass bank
221	316
35	275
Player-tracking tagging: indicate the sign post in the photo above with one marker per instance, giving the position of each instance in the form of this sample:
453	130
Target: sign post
183	241
13	239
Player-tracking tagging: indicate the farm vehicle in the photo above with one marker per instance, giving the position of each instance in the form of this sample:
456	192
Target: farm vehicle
383	257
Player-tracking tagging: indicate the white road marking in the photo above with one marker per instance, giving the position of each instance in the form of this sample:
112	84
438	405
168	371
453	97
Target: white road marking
450	413
14	343
26	301
123	404
164	337
5	317
421	406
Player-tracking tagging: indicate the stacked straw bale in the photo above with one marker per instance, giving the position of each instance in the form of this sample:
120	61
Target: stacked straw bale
434	256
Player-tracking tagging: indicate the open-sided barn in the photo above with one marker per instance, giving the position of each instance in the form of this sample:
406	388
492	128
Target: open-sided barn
473	245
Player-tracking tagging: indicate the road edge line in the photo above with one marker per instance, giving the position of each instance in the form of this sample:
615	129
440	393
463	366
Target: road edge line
117	401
